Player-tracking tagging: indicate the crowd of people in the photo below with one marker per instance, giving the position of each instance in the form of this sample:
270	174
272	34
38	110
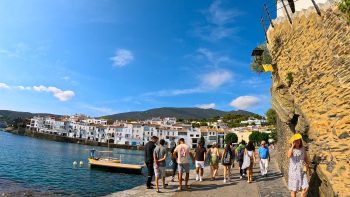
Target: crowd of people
243	154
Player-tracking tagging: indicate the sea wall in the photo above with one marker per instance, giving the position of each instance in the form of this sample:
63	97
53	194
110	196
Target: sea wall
311	93
58	138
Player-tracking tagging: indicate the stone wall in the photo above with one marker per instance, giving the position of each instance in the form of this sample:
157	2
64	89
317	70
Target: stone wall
311	93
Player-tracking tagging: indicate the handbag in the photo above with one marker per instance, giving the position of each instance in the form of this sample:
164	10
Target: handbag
246	161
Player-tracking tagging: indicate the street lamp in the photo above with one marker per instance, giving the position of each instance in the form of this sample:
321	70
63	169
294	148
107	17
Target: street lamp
257	52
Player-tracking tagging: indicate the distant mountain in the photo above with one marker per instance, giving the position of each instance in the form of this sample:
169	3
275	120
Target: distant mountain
8	116
184	113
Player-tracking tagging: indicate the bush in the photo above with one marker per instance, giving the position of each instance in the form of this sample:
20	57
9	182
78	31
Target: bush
289	79
202	141
256	137
231	138
344	6
271	116
257	62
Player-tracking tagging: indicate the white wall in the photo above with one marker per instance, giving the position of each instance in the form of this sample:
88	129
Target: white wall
299	6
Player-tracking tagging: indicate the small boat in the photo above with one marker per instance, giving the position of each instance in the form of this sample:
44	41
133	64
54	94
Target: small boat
111	165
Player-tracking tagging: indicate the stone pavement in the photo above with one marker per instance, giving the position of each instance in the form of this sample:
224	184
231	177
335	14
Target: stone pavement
271	186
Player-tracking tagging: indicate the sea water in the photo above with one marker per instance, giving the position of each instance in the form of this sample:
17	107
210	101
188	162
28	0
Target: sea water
30	166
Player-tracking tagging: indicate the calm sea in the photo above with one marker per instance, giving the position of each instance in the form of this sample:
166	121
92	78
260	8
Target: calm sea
30	166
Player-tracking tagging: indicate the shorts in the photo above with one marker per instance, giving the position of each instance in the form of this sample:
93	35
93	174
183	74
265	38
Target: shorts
159	172
184	167
200	164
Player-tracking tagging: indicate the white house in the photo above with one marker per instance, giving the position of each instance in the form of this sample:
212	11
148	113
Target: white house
299	5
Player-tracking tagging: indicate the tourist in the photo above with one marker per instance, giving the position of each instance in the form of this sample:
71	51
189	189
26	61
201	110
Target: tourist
149	148
159	163
227	162
264	155
200	157
240	154
298	166
182	153
214	160
233	150
174	163
249	160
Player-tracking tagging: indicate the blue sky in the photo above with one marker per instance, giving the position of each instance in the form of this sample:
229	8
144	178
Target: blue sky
110	56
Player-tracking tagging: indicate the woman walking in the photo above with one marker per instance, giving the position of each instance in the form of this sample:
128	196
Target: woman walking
298	162
227	160
249	160
214	160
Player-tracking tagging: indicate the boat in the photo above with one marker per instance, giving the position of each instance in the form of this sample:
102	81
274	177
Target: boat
111	164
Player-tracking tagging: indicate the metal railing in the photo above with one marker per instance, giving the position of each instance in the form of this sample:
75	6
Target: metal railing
270	8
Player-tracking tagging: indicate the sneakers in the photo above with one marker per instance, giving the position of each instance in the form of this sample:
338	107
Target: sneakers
225	181
197	178
241	177
200	179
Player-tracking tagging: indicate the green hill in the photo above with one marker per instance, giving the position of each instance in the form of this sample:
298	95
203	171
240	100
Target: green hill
9	116
183	113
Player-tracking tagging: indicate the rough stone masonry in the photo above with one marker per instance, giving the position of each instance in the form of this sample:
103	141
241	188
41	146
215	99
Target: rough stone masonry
311	93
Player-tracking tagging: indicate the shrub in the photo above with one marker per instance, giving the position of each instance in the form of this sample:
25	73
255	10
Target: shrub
289	78
231	138
344	6
271	116
257	62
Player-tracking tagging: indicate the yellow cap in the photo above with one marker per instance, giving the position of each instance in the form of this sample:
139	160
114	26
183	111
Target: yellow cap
296	136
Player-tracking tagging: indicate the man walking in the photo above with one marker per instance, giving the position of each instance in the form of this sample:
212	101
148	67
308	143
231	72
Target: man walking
264	155
200	154
182	153
173	159
159	163
149	159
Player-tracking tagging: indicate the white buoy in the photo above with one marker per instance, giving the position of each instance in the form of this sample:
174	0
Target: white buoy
75	163
81	163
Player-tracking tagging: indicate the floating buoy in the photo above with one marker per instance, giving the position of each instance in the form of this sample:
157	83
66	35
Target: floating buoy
75	163
81	163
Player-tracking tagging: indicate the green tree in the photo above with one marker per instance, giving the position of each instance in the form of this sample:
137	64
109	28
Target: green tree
204	124
231	138
271	116
265	58
273	135
202	141
255	137
344	6
264	136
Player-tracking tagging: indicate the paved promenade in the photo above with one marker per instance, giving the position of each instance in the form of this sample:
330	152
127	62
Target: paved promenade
271	186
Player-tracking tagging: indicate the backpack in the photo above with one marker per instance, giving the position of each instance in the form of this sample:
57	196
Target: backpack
227	158
240	154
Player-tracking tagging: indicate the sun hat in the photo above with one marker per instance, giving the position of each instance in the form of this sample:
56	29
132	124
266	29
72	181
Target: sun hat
296	136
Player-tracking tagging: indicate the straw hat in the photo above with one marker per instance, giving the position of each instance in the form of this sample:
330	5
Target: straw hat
296	136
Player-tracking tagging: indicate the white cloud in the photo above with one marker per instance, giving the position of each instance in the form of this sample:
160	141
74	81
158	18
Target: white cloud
215	79
213	58
102	110
219	20
122	57
245	102
23	88
174	92
62	95
206	106
4	86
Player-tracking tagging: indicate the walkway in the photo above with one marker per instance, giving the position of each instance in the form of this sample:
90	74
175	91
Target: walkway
271	186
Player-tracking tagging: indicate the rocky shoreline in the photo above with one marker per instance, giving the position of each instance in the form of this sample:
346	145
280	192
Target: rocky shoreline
57	138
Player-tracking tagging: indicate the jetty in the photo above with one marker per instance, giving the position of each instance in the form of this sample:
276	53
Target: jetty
115	166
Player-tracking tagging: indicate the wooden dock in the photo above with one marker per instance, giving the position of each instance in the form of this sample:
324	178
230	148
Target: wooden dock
120	167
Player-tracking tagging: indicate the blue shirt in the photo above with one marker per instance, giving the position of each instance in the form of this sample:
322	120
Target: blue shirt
264	152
